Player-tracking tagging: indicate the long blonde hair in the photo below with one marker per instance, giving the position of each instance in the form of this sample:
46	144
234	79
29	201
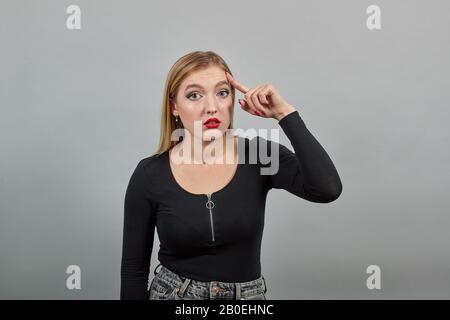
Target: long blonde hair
182	68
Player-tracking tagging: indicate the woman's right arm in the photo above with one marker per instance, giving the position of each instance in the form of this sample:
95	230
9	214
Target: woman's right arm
138	232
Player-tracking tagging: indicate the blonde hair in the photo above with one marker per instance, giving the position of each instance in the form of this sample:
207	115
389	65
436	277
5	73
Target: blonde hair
182	68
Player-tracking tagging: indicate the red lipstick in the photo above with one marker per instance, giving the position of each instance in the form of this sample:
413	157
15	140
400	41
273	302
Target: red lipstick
212	123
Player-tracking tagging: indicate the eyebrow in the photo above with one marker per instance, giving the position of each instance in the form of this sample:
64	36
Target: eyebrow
195	85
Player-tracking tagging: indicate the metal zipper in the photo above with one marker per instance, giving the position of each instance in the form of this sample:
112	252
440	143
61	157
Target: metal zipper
210	206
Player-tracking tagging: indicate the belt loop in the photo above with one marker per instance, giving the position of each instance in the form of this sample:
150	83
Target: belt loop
154	271
238	291
265	286
183	287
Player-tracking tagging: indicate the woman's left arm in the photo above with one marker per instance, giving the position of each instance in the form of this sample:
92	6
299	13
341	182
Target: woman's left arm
309	172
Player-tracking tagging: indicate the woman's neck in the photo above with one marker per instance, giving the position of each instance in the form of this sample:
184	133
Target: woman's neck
217	151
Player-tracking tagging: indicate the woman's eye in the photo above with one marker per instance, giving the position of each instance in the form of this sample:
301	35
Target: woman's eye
196	93
192	94
226	91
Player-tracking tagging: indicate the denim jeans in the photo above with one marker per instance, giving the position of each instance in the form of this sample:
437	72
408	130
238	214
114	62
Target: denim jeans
167	285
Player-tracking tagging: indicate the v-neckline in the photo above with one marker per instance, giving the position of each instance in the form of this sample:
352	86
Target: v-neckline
223	189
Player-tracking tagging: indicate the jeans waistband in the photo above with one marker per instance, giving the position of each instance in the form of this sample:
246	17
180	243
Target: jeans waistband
216	287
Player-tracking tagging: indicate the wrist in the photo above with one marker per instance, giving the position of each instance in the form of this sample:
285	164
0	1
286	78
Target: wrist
284	112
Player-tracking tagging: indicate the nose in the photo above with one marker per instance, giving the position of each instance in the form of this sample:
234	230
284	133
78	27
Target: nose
211	106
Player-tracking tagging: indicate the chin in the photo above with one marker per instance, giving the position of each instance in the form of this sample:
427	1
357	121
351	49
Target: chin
211	134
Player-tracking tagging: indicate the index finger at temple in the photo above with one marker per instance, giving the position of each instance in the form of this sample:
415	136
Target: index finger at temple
237	84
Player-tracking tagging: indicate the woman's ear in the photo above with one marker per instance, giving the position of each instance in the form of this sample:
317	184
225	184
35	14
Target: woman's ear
173	106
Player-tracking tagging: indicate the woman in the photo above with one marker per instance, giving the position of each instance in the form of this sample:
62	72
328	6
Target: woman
209	210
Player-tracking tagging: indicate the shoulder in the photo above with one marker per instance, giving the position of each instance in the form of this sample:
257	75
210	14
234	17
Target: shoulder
147	174
257	149
151	163
262	144
263	150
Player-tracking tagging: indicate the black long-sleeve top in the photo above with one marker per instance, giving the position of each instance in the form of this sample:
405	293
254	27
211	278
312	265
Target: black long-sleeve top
221	240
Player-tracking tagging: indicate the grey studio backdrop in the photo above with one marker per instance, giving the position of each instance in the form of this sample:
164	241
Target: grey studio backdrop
80	108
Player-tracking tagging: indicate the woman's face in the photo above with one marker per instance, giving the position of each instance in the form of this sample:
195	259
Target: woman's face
202	95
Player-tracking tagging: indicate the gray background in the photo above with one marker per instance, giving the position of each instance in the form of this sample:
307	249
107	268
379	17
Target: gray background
80	108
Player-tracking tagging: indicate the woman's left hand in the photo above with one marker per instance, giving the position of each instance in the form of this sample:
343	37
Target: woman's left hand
263	100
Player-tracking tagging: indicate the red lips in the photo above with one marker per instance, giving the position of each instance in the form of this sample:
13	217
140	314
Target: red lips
212	121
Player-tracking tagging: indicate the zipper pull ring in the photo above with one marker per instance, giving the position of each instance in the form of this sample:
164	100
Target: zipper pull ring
210	204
